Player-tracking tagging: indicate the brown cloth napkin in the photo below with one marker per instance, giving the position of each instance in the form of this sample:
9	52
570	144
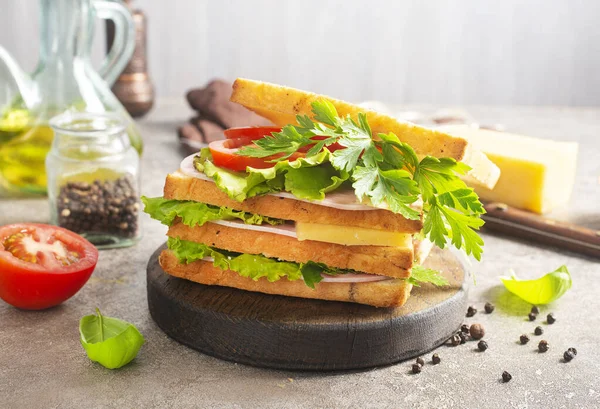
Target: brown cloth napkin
214	114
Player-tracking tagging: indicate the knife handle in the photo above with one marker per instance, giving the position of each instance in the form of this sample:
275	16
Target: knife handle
523	224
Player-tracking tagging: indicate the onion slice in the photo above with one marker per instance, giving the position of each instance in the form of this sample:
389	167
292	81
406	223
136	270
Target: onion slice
286	229
353	278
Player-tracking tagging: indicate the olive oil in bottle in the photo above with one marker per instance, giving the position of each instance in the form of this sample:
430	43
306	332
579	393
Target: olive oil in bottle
23	149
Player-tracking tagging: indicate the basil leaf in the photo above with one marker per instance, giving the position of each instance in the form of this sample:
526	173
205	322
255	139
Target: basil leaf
111	342
543	290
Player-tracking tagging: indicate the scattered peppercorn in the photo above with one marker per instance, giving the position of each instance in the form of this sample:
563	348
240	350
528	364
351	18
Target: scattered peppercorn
462	336
538	331
477	331
532	316
416	368
535	310
568	355
543	346
455	340
464	328
550	319
506	377
489	308
471	311
420	361
435	358
482	345
524	339
573	350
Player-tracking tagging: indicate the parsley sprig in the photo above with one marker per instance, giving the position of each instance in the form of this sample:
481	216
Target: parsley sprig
388	172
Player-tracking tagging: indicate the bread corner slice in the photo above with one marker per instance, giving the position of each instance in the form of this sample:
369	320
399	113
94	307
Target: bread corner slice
281	104
388	293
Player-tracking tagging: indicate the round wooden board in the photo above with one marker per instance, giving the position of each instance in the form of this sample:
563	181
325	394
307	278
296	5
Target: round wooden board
301	334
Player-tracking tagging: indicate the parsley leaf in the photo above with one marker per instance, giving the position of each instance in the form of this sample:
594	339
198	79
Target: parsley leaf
420	274
387	172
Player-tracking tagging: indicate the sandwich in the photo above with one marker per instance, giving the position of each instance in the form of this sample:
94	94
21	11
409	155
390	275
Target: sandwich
332	202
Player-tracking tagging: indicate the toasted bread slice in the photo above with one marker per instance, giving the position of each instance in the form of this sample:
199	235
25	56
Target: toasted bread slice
182	187
387	293
380	260
281	104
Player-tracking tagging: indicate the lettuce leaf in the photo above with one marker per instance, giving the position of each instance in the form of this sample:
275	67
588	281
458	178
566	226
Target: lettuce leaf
306	178
196	213
251	265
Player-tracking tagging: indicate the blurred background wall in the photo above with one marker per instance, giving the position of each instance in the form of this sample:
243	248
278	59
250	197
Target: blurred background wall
449	52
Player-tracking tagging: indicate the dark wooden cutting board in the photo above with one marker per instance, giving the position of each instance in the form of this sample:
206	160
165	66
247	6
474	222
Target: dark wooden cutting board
294	333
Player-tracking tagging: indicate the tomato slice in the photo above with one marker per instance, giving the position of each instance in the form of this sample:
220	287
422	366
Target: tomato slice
251	132
225	155
41	265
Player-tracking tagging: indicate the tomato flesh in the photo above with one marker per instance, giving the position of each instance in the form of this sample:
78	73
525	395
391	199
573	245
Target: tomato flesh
224	152
42	266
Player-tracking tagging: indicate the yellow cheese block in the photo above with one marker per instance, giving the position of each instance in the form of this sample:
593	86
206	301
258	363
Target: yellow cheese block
352	236
536	174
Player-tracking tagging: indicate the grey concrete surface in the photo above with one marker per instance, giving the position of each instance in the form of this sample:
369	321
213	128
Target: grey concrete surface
42	364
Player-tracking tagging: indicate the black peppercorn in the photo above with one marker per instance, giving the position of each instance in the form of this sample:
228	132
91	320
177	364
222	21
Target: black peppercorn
506	376
464	328
477	331
462	336
435	358
573	350
416	368
538	331
543	346
482	345
471	311
455	340
550	319
568	355
489	308
535	310
101	207
420	361
532	316
524	339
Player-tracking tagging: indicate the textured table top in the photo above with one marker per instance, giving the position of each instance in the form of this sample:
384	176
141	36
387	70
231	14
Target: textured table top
42	364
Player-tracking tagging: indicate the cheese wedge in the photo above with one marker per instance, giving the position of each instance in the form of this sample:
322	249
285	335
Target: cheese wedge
351	236
536	174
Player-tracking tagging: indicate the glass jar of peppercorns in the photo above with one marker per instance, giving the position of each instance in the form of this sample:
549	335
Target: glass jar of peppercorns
93	179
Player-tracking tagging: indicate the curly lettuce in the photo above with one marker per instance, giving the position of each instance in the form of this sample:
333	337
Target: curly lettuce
196	214
254	266
306	178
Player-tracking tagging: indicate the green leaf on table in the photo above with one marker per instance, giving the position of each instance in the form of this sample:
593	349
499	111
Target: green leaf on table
543	290
111	342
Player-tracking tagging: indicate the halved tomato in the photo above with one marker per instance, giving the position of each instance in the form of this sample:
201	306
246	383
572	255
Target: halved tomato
41	265
225	155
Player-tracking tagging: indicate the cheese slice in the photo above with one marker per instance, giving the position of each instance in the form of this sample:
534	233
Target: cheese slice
351	236
536	174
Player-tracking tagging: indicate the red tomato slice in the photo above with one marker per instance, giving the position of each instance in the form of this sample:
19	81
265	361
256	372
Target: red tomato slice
225	155
251	132
41	265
